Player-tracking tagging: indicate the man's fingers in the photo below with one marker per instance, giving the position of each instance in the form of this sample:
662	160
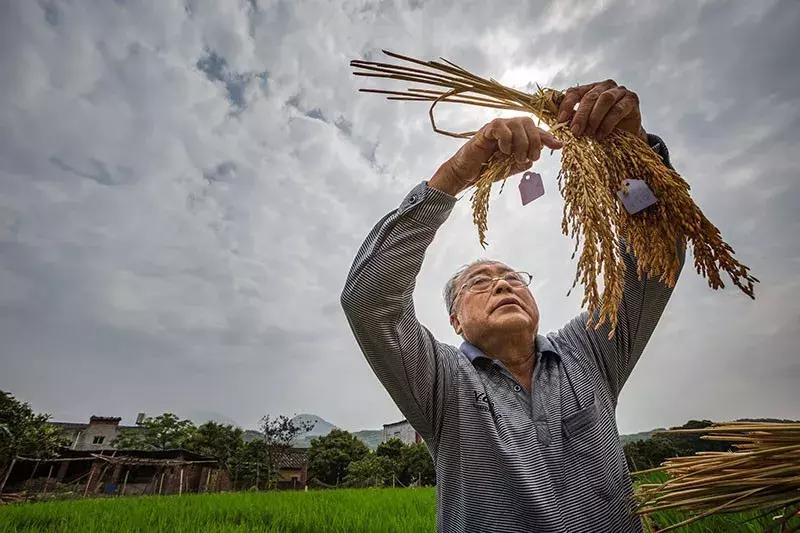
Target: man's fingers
518	137
499	131
520	167
617	114
483	141
572	96
601	108
550	141
534	140
519	141
586	105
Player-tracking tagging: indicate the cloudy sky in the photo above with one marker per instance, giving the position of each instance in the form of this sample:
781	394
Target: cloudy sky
183	186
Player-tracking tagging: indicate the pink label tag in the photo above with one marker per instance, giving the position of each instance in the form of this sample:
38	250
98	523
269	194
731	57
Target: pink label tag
530	187
636	195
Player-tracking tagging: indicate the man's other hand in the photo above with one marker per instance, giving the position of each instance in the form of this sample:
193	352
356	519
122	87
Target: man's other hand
602	106
518	137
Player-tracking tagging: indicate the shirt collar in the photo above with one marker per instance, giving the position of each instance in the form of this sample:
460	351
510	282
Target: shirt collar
543	346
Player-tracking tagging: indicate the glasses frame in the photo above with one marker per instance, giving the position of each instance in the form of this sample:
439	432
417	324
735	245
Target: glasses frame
492	281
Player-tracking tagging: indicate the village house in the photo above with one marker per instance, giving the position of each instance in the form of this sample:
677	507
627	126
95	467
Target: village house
293	469
98	434
401	430
117	472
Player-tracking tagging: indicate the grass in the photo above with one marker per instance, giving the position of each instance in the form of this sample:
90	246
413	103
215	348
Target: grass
344	510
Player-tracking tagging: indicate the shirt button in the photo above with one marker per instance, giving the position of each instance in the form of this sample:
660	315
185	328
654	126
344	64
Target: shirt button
516	388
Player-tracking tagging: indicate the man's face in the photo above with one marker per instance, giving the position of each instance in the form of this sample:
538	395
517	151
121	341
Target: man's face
502	308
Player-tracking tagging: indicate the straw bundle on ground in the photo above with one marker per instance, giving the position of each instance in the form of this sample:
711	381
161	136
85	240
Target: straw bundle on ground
762	473
591	174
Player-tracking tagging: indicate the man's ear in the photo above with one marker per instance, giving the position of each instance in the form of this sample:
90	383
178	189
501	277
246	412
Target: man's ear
455	323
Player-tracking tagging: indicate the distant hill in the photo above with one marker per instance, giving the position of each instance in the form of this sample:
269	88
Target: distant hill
644	435
319	428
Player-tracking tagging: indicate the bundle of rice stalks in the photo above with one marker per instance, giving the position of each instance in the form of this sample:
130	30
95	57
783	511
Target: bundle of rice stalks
763	472
591	174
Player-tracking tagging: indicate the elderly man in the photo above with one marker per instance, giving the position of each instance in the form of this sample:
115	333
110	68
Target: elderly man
521	426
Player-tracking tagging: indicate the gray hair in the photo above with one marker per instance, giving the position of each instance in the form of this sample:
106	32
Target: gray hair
450	289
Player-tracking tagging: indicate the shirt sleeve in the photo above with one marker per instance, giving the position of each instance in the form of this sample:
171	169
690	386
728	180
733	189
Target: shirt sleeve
378	301
643	303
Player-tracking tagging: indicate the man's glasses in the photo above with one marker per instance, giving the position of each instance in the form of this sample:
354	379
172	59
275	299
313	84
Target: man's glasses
484	283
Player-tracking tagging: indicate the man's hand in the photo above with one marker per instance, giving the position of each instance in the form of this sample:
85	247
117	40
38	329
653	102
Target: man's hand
512	136
602	106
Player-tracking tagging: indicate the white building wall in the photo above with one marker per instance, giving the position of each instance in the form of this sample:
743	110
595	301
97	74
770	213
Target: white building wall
403	431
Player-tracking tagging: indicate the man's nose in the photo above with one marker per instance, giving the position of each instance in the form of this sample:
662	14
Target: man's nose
501	286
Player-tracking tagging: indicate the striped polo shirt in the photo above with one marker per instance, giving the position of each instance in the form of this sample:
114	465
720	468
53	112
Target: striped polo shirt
506	459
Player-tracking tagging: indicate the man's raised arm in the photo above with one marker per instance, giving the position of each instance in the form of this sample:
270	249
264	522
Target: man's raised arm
377	299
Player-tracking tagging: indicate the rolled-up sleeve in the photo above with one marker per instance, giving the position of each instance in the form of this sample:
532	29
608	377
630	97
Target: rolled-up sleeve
378	302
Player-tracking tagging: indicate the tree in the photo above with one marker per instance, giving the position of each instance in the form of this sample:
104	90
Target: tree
23	432
690	443
329	456
394	451
216	440
163	432
392	448
417	465
247	465
371	471
648	453
278	433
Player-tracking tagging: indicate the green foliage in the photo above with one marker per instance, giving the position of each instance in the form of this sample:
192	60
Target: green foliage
646	454
392	449
163	432
216	440
371	471
650	453
330	455
393	462
23	432
418	465
248	466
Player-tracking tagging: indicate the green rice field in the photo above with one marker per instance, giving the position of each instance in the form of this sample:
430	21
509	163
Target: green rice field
342	510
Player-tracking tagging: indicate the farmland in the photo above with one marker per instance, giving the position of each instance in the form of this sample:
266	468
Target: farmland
342	510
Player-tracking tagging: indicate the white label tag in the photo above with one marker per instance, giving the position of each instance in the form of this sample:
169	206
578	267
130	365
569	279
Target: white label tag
636	195
530	187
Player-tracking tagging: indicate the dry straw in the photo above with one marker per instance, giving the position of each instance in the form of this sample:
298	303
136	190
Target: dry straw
762	473
591	173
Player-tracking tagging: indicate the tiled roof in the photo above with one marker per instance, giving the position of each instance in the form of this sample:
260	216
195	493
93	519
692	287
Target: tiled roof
294	459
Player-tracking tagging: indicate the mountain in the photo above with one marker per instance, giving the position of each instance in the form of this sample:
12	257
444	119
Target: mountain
370	437
320	427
